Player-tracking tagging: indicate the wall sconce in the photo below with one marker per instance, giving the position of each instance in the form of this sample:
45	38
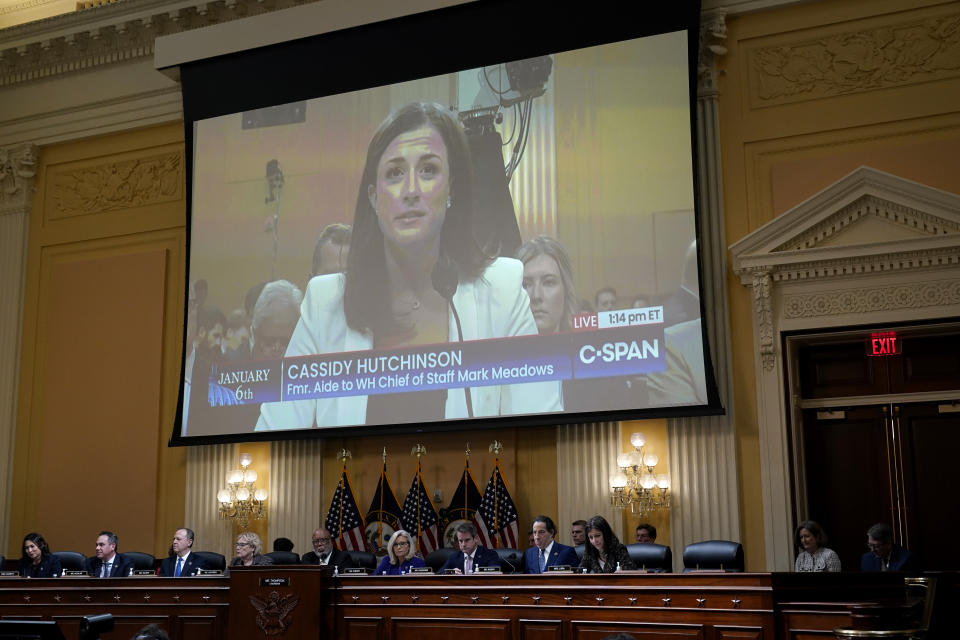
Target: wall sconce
636	485
242	500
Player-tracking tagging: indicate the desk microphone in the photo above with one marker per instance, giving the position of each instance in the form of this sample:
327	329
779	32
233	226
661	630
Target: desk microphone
445	279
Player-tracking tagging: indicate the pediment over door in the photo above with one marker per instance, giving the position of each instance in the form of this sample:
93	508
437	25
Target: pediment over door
867	222
870	249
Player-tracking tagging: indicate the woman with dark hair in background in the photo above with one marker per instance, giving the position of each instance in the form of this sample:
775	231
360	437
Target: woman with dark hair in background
814	556
415	276
36	561
603	552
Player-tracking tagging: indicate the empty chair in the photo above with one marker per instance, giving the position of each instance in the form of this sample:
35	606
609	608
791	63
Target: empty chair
70	560
141	560
437	558
212	559
713	555
284	557
651	556
363	559
511	560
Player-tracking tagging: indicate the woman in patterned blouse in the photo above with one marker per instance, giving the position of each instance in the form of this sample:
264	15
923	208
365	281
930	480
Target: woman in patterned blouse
814	556
603	553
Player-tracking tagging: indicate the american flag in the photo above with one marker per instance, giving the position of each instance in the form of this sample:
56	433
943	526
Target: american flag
465	501
420	517
384	514
496	519
343	519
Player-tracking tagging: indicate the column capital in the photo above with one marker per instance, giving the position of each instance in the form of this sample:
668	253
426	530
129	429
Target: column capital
18	167
713	32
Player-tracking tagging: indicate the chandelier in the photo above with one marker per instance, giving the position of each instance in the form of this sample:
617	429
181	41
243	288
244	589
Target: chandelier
242	500
636	485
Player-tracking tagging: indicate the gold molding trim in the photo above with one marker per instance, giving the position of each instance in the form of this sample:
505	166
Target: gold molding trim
892	55
115	186
872	299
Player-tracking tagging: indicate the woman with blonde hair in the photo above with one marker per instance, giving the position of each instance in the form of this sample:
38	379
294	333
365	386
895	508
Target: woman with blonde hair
250	551
401	557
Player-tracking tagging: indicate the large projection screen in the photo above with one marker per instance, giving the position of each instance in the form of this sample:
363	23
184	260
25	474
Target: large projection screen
510	241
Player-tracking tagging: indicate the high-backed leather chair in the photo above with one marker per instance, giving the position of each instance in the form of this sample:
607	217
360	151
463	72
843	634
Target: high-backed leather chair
511	560
713	555
437	558
650	556
141	560
363	559
284	557
212	559
70	560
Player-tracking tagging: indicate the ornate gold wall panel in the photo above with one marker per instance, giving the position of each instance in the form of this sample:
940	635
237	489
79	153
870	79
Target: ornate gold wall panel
808	93
893	51
117	185
100	359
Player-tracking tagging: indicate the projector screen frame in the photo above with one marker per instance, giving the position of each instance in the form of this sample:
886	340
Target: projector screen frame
269	76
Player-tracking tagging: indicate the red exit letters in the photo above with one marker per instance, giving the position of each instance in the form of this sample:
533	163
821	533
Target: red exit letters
883	343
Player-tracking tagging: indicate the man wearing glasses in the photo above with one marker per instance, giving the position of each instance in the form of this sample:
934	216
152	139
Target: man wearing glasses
325	554
884	555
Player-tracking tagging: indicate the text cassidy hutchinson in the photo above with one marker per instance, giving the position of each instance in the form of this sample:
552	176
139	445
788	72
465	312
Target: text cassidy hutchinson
366	365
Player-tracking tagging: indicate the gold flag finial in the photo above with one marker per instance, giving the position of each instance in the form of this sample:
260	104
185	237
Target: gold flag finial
419	450
384	456
495	447
467	451
343	455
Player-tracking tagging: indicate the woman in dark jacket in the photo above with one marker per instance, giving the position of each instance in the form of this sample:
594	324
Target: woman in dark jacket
603	553
36	561
250	551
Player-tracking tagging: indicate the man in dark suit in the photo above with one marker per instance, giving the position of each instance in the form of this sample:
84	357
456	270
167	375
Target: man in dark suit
107	563
884	555
471	554
324	553
547	552
183	562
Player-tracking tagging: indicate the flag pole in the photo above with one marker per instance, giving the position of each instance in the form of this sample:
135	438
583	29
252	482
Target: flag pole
419	450
383	474
466	471
495	448
343	454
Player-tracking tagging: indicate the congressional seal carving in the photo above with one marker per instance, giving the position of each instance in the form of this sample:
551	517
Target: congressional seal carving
273	615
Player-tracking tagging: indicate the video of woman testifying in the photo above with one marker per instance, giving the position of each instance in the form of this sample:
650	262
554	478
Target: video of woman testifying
512	240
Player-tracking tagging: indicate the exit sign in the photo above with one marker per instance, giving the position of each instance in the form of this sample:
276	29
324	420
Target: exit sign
883	343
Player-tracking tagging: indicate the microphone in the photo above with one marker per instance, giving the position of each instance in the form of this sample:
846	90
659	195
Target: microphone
513	567
445	279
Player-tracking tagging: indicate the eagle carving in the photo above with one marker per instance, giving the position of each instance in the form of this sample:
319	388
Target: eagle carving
273	614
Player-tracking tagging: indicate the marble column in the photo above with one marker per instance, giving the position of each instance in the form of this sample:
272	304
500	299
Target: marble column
17	171
703	453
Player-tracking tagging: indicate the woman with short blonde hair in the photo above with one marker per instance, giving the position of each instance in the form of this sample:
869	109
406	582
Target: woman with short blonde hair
401	555
249	551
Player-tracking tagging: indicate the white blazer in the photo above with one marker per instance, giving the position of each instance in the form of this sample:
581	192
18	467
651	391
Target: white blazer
493	306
